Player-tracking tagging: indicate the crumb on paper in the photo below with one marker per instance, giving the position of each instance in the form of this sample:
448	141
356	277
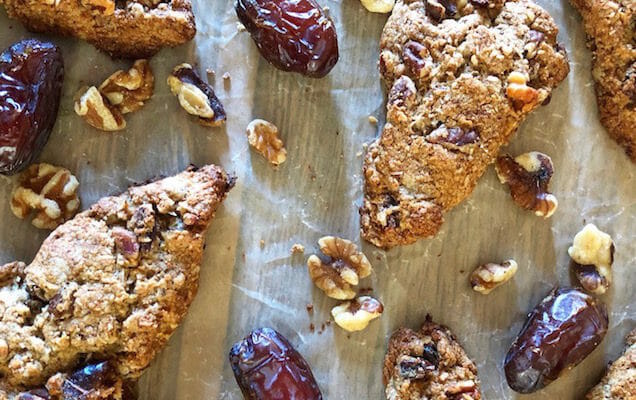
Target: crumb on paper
262	243
240	27
310	308
312	327
373	119
297	248
210	71
226	76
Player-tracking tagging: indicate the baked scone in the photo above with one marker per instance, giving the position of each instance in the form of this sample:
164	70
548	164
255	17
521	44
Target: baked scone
619	383
106	289
610	26
461	77
428	364
127	29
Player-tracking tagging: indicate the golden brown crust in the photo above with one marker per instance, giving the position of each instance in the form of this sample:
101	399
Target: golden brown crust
619	383
134	31
458	89
611	28
111	284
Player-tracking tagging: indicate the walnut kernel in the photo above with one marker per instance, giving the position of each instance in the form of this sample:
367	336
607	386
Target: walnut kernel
523	96
489	276
98	112
593	254
49	191
355	315
128	90
378	6
528	177
344	268
195	96
263	136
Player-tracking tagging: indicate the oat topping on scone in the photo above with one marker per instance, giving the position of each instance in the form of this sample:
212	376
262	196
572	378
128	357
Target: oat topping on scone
461	77
611	28
110	285
619	383
428	364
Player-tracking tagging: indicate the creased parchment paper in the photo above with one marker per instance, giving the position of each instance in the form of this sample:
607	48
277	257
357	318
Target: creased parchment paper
317	191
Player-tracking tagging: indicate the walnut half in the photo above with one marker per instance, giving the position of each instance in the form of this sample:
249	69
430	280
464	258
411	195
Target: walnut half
128	90
593	254
49	191
345	266
98	112
528	177
355	315
263	136
489	276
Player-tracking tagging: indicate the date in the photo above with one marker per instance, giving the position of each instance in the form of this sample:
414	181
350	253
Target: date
293	35
31	75
559	333
267	367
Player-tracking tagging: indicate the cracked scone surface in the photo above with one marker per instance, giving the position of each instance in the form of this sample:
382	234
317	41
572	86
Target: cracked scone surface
458	86
619	383
127	29
611	28
111	284
428	364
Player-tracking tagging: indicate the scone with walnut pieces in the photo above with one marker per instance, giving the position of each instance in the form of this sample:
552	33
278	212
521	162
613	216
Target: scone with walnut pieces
619	383
461	77
106	290
428	364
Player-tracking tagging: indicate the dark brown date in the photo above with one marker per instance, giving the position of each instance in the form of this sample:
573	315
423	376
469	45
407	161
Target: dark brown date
559	333
293	35
267	367
31	75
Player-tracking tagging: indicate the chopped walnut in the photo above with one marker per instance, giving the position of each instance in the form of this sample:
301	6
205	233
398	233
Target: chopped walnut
128	90
593	254
455	136
378	6
528	177
98	112
344	268
355	315
263	136
523	96
105	7
196	96
50	192
489	276
297	248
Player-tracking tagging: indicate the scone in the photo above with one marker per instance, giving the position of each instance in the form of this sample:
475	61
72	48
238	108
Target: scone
619	383
461	77
428	364
611	28
127	29
106	289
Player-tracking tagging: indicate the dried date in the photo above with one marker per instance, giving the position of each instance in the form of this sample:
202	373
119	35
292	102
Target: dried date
31	75
558	334
294	36
267	367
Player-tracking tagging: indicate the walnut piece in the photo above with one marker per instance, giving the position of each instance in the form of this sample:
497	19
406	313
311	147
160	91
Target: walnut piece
528	177
593	254
263	136
128	90
344	268
196	96
355	315
489	276
297	248
50	192
378	6
523	96
98	112
103	7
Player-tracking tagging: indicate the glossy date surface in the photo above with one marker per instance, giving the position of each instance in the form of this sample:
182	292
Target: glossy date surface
267	367
293	35
559	333
31	75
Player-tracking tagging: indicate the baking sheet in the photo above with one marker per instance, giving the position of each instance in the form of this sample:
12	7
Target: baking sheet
317	191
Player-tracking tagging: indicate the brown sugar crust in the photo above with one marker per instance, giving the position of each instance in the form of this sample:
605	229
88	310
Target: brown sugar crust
408	375
458	87
619	383
111	284
132	30
611	28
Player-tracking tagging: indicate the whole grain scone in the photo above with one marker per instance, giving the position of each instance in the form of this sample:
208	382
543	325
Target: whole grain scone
127	29
106	289
428	364
461	77
619	383
611	28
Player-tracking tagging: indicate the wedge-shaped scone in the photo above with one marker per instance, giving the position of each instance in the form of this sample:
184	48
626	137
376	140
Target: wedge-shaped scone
127	29
611	28
106	289
619	383
428	364
461	78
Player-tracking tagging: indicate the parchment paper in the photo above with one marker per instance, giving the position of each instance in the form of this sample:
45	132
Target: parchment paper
317	192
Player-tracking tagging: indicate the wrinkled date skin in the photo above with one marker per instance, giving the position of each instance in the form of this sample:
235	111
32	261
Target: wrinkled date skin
267	367
293	35
31	75
559	333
